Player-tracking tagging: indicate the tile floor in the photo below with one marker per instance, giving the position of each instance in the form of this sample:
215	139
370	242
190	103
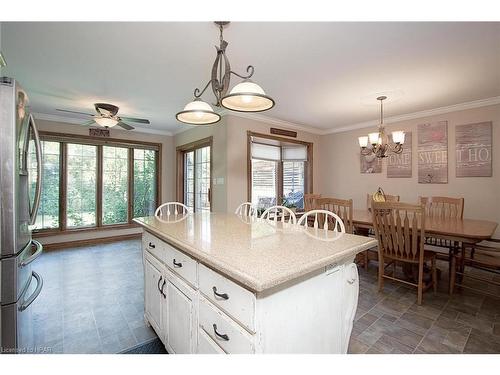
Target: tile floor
92	302
392	322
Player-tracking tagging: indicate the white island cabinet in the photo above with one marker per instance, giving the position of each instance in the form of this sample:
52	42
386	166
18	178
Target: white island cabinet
217	283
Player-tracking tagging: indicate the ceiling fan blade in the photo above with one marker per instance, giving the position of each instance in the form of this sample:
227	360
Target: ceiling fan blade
91	122
138	120
125	126
79	113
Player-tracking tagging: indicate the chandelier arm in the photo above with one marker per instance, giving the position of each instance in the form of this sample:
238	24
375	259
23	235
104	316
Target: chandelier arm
250	71
198	93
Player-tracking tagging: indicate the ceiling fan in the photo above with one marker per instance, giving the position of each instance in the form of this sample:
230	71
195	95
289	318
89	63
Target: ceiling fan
107	117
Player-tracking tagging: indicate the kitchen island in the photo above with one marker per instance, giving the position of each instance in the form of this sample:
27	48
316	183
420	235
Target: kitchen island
221	283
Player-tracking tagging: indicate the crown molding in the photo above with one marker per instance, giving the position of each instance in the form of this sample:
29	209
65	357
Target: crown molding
76	121
416	115
272	121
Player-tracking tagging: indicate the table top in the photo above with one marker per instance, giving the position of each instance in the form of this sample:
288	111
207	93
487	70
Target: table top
253	252
461	229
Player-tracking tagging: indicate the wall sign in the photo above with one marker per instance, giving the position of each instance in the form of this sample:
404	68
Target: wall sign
93	132
399	165
370	164
473	150
433	153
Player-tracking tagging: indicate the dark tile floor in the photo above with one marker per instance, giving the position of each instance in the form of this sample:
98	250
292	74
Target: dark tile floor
392	322
92	300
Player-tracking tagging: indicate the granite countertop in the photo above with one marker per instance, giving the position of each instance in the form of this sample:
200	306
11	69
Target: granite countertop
255	253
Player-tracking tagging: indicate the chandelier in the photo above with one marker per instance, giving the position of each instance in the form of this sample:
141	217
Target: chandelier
246	96
379	141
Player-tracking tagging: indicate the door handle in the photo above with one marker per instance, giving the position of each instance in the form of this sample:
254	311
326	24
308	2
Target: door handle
36	254
38	191
220	295
177	265
162	286
158	285
219	335
36	293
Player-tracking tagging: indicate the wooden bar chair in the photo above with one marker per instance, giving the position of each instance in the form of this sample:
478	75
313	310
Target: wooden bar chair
340	207
310	201
279	213
484	256
246	209
399	229
444	208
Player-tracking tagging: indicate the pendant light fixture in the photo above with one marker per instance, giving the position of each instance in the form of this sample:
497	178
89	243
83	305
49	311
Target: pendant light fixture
246	96
379	141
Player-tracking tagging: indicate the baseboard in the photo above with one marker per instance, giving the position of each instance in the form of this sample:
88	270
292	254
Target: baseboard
90	242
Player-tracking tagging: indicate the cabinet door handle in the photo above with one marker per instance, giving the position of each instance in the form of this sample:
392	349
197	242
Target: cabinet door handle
161	290
177	265
151	245
221	336
158	285
220	295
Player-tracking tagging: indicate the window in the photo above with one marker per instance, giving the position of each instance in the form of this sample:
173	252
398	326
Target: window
194	185
89	183
48	211
279	171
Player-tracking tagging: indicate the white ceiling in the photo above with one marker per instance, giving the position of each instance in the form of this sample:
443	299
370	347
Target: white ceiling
322	75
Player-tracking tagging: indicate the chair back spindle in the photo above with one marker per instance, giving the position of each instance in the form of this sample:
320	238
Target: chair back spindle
340	207
279	213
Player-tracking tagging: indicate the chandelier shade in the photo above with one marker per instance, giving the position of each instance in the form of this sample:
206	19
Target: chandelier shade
247	96
198	112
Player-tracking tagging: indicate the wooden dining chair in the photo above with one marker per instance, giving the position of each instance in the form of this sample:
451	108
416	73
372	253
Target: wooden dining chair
279	213
340	207
171	208
444	208
323	219
370	232
484	256
399	229
310	201
246	209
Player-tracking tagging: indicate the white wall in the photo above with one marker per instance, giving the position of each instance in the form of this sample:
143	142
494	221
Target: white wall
167	173
339	168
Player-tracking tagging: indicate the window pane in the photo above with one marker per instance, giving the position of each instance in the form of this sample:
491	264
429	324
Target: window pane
114	185
48	211
189	180
264	183
81	185
293	183
202	181
145	182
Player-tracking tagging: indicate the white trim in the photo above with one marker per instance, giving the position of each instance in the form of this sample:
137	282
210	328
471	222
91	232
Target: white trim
76	121
415	115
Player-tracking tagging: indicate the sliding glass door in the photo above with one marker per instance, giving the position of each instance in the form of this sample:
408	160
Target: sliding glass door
196	177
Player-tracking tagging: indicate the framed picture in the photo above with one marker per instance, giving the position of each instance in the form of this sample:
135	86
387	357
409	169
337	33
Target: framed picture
473	150
433	153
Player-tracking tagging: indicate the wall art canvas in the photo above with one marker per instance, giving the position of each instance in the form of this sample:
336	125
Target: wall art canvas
370	164
399	165
433	153
473	150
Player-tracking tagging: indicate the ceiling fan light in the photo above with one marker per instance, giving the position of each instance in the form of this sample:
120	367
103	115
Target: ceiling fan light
247	96
106	122
198	112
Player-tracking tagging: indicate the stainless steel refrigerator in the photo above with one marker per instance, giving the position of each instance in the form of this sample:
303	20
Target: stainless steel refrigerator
20	285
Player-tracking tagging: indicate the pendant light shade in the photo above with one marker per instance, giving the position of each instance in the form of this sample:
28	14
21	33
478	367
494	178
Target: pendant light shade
247	96
198	112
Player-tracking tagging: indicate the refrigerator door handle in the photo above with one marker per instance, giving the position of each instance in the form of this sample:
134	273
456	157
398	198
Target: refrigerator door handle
35	294
36	254
38	191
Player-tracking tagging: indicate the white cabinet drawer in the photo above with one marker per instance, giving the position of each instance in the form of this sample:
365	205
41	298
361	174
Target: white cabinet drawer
206	345
226	333
154	245
236	301
181	264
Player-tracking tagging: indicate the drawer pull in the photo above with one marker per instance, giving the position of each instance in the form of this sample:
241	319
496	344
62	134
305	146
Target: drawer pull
151	245
177	265
163	286
220	295
158	285
221	336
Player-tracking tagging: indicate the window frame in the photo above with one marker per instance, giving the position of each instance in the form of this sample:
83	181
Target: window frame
64	139
308	165
180	156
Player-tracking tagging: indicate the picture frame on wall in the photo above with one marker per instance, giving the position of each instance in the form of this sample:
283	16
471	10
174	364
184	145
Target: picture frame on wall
473	149
433	153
